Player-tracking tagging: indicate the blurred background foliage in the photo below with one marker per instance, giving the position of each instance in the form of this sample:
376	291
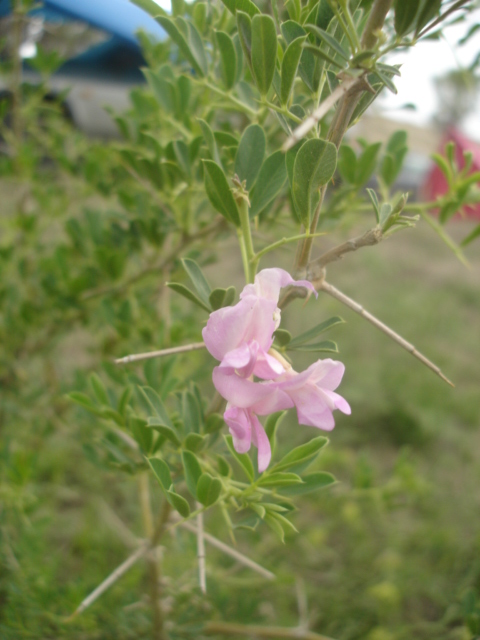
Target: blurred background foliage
90	231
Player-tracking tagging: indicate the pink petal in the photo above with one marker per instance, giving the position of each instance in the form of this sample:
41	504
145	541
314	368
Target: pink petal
261	397
261	441
251	319
239	425
238	391
241	360
327	373
267	367
269	282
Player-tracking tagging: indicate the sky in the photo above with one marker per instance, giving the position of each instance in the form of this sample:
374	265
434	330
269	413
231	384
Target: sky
420	65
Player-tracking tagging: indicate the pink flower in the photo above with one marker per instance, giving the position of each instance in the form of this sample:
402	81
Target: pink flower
311	392
240	338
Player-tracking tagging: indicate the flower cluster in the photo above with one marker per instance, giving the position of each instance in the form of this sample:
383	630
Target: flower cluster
241	337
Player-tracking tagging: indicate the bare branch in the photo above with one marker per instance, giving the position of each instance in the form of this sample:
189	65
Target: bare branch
341	297
159	354
368	239
302	130
112	578
202	575
257	631
239	557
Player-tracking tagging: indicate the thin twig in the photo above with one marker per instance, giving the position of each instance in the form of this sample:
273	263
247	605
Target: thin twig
144	548
236	555
341	297
257	631
202	574
368	239
112	578
158	354
321	111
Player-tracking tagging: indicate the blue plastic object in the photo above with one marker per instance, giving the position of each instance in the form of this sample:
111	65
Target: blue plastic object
121	18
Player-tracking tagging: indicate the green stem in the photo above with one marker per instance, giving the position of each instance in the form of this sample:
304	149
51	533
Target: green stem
228	96
283	110
280	243
353	45
243	252
351	24
251	263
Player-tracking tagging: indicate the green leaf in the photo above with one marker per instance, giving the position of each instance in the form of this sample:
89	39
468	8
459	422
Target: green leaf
275	526
142	435
228	58
366	163
271	426
210	140
405	12
282	337
389	70
326	345
198	279
284	523
242	458
428	10
214	423
194	442
314	166
191	412
178	503
471	236
84	401
190	46
308	66
222	297
167	432
193	471
279	479
323	55
208	489
376	205
316	331
270	181
387	81
264	51
250	154
153	399
186	293
290	62
99	389
347	163
329	40
246	6
324	14
311	482
219	193
161	471
304	452
244	26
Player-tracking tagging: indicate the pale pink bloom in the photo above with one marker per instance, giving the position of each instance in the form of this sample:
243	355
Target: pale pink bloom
240	336
311	392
